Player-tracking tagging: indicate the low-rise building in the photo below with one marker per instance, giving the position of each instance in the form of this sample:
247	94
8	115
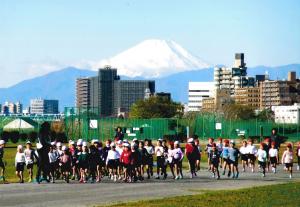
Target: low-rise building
197	92
42	106
220	98
249	96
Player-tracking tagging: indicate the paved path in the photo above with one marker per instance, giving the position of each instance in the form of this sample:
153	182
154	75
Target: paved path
75	194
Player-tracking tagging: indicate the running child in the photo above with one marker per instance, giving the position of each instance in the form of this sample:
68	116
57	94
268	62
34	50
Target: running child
159	152
233	159
83	164
244	155
298	155
65	163
225	157
125	159
144	155
2	166
220	149
178	157
190	150
251	154
262	158
52	163
170	159
208	149
214	159
150	150
30	155
112	162
198	160
273	156
287	159
20	163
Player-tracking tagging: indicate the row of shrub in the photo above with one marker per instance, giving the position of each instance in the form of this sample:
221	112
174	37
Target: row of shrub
16	136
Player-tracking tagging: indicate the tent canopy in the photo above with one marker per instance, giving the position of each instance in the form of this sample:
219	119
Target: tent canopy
21	123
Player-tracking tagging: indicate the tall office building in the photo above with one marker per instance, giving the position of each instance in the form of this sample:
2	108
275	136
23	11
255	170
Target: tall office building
19	107
42	106
110	95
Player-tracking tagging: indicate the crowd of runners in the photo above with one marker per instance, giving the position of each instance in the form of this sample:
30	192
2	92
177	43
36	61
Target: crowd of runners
132	161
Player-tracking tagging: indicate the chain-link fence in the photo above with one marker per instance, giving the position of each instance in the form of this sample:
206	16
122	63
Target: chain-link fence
215	126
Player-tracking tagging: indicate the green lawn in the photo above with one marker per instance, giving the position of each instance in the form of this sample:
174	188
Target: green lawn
274	195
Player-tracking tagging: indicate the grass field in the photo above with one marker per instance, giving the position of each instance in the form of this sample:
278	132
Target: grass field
10	152
274	195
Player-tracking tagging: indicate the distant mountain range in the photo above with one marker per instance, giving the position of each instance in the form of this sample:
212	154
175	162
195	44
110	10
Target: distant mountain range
61	84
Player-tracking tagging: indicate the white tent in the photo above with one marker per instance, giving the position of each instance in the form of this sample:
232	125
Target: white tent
18	124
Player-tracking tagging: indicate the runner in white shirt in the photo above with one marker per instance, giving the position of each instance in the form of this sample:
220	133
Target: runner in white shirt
112	161
29	159
251	149
244	155
287	158
273	155
262	159
20	163
159	151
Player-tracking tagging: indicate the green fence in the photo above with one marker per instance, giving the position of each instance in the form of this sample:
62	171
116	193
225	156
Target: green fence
86	123
214	126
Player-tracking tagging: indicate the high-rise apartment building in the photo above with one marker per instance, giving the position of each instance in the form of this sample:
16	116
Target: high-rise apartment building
235	77
110	95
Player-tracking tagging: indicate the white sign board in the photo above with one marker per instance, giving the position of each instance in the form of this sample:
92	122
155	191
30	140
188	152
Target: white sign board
218	126
93	124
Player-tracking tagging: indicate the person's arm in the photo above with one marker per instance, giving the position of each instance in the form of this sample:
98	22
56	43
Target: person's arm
16	160
283	157
108	157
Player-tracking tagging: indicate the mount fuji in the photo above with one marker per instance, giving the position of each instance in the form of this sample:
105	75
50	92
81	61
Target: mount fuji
154	58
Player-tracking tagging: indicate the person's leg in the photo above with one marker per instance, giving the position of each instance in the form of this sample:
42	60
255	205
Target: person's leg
18	175
21	176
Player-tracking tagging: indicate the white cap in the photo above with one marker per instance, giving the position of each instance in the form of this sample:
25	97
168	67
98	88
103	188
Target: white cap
58	144
94	141
20	147
190	140
112	144
232	141
135	139
79	143
84	144
53	143
80	140
176	142
39	145
2	142
28	142
120	142
125	141
160	139
64	148
72	142
126	144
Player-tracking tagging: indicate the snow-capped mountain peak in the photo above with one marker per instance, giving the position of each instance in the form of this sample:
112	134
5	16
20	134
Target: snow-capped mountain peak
154	58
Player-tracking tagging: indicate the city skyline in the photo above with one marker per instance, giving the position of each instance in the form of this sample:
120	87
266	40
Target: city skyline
37	38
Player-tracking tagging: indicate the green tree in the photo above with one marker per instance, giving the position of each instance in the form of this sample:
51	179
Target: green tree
236	111
156	107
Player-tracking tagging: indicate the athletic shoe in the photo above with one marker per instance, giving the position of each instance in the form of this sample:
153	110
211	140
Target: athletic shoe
218	178
176	178
237	175
290	176
229	173
157	177
223	173
233	176
298	167
115	178
180	177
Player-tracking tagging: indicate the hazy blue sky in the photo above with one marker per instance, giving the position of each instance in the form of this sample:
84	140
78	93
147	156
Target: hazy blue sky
40	36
